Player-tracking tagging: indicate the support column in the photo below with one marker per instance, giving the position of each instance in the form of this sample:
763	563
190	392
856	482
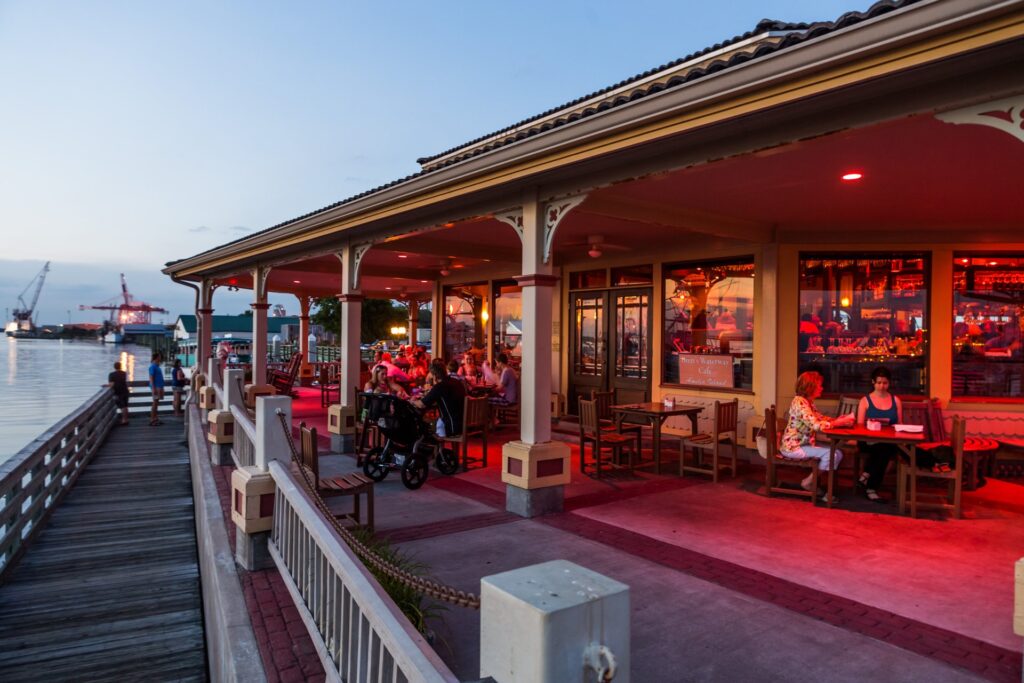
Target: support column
204	324
535	469
259	325
341	418
414	318
305	369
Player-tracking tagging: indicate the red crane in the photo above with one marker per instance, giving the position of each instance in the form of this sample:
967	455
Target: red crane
129	312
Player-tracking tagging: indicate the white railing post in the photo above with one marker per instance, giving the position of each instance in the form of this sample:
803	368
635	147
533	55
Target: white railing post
249	484
221	422
554	622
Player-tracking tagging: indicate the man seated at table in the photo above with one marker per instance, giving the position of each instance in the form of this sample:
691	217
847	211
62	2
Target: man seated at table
448	395
507	393
394	372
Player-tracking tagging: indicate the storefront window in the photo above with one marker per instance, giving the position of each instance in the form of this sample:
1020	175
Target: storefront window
988	302
858	312
709	324
508	320
465	321
588	279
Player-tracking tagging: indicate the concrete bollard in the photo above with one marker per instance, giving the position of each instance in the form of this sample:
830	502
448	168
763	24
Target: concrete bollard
553	622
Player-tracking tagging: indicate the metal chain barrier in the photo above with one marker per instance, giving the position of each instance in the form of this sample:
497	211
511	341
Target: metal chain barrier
430	588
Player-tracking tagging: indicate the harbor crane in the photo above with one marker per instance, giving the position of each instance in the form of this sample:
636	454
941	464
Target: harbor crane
129	311
27	311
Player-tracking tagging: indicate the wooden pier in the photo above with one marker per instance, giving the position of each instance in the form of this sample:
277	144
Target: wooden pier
109	590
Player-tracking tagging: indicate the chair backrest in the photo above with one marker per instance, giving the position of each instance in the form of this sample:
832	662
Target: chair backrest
476	412
727	416
307	442
958	436
771	432
589	423
937	423
603	400
325	375
916	413
847	405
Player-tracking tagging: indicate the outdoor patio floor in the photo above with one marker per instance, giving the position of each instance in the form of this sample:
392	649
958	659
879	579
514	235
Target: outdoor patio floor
727	584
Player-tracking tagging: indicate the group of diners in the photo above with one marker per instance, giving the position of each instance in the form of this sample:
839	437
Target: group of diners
444	386
798	441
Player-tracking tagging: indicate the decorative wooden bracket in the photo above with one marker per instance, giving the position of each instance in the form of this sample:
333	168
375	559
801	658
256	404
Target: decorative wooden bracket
1006	115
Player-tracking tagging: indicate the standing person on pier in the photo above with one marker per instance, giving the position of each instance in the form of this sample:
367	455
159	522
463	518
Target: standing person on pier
178	383
156	385
118	382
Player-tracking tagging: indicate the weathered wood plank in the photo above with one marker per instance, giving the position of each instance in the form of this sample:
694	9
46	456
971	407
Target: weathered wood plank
109	590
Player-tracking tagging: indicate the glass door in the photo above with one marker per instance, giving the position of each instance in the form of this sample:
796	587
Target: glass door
631	319
588	357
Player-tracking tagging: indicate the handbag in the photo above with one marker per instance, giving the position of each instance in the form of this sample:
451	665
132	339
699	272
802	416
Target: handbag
761	439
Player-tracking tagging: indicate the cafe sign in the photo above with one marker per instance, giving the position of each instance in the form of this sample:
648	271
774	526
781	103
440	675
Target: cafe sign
705	370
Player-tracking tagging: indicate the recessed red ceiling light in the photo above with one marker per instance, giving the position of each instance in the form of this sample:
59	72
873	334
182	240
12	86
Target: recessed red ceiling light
993	263
387	288
965	260
298	282
424	281
403	256
852	176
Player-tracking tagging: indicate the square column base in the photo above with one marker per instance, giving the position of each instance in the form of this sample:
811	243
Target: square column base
251	550
343	443
534	502
220	454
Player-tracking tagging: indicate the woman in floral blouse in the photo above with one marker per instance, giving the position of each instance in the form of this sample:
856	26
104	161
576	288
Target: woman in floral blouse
804	420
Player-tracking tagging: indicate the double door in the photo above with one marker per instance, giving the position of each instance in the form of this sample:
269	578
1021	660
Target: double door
611	344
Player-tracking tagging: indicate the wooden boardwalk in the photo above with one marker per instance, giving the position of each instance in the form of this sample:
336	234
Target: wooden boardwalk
110	589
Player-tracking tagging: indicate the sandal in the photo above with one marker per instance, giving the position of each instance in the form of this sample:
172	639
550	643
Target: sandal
824	498
873	496
863	480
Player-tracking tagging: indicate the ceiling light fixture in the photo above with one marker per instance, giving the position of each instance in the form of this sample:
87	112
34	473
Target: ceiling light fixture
403	256
852	176
446	268
594	252
298	282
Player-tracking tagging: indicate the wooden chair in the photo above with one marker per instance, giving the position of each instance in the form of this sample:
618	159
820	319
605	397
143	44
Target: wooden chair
604	401
476	420
590	430
355	484
848	405
907	489
979	452
775	460
328	381
284	380
724	427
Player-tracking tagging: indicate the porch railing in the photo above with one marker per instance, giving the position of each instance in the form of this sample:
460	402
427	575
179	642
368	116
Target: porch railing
361	631
34	481
243	449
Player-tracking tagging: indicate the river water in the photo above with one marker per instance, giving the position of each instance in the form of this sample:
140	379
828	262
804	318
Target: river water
42	380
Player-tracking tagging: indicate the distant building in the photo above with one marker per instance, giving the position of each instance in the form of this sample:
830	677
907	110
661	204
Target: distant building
237	327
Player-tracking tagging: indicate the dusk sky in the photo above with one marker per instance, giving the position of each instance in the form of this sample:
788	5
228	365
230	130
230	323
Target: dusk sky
134	133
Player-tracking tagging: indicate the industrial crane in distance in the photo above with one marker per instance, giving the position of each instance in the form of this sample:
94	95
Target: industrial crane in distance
22	324
128	312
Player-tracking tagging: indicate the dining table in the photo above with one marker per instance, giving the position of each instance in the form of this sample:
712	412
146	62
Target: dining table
906	441
654	414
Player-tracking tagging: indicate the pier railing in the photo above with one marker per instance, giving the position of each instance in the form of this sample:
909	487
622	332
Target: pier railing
362	633
34	481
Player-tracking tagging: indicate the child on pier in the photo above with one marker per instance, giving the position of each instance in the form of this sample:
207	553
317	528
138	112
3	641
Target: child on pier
156	385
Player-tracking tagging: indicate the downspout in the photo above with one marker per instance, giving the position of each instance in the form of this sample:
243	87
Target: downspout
199	318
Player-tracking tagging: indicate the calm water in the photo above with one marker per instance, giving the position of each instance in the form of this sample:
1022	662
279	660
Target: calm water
41	381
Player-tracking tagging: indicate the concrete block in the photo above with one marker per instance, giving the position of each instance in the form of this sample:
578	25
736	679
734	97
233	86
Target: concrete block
252	499
341	419
252	551
540	624
222	427
537	465
343	443
207	398
534	502
220	454
254	391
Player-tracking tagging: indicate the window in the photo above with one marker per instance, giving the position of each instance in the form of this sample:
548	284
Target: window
465	321
988	302
588	279
709	324
631	276
508	319
858	312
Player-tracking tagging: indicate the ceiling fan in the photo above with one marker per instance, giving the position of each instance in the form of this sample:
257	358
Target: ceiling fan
596	246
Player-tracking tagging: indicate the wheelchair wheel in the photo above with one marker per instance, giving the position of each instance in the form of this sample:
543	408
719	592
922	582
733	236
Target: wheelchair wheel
447	461
374	465
414	472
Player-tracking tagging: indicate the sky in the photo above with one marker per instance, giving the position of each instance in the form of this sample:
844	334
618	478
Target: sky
139	132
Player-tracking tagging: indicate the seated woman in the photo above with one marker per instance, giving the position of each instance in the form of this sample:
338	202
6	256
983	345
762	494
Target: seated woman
887	408
798	441
469	371
381	383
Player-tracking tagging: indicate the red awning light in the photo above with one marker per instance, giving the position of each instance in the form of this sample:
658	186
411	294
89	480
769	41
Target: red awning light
403	256
298	282
852	176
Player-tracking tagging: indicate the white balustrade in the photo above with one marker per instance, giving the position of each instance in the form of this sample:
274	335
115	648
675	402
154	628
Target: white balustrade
243	448
363	636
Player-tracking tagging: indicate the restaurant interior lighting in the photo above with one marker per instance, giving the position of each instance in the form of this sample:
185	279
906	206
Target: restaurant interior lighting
844	302
398	331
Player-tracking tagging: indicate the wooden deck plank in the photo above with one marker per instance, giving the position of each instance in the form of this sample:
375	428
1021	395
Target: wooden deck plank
110	588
